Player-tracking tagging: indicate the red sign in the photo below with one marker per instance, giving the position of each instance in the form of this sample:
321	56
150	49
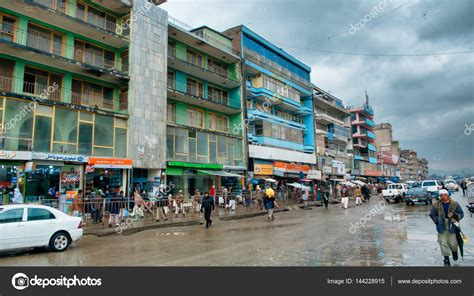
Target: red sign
373	173
90	168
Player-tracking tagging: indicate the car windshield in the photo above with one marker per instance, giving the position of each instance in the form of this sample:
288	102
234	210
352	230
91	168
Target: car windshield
416	191
449	181
431	183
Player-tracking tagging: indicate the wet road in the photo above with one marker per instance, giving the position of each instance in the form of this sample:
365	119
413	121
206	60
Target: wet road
393	235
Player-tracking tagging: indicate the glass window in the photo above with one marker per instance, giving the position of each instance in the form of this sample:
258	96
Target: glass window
11	216
181	141
202	144
171	80
65	125
64	148
120	142
196	118
39	214
106	152
192	149
103	131
221	147
194	87
170	113
85	138
42	141
212	152
170	143
194	58
238	149
18	126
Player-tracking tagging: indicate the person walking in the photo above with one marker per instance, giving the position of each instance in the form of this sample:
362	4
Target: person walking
365	192
17	196
77	205
270	202
325	196
344	196
464	187
213	193
259	193
358	195
444	213
207	206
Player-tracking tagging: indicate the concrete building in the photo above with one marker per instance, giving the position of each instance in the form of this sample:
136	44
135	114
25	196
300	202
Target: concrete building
363	141
412	167
279	108
388	151
333	134
205	140
82	89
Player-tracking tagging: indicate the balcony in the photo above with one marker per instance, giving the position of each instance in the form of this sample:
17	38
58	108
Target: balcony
325	118
52	51
371	135
92	101
196	99
275	68
94	24
178	61
371	147
6	83
42	91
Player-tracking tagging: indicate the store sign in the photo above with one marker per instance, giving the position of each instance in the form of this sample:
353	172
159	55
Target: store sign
71	194
297	168
327	170
373	173
60	157
70	177
314	174
279	168
340	168
263	169
29	167
90	168
15	155
109	162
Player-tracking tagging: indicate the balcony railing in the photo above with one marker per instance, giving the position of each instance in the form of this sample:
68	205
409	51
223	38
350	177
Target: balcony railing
96	21
123	101
260	60
45	42
91	101
6	83
218	99
325	116
42	91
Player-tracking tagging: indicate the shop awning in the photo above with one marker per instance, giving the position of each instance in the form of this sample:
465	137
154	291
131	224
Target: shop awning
220	173
170	171
297	185
270	180
359	182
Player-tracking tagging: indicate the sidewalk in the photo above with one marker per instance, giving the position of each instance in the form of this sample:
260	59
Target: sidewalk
194	219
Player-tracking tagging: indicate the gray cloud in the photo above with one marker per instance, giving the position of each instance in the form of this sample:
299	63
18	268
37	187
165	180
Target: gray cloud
428	99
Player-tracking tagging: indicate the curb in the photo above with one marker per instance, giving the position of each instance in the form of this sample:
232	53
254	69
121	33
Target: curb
251	215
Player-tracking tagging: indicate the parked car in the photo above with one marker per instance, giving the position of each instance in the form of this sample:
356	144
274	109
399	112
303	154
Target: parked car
395	192
29	226
451	185
433	186
418	194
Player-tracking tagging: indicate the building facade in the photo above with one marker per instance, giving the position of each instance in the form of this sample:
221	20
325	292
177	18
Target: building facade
205	139
279	118
412	167
333	134
76	106
388	151
363	142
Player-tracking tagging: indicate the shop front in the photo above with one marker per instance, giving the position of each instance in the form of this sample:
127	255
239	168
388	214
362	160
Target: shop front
107	174
12	173
54	176
190	177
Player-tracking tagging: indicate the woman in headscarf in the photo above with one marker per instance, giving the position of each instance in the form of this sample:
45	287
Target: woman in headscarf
17	197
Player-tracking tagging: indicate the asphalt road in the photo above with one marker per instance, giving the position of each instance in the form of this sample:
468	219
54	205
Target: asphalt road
392	235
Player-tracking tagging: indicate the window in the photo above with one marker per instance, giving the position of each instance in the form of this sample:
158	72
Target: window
194	58
103	131
7	28
217	95
11	216
195	88
219	123
284	115
124	60
90	94
171	49
42	140
37	81
280	88
39	214
171	80
93	55
44	39
18	136
196	118
170	113
96	17
120	142
217	67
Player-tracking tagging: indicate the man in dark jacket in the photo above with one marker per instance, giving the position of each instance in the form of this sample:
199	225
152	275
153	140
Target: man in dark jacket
365	192
443	213
208	206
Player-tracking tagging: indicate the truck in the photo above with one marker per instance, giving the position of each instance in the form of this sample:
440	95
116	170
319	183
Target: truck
395	192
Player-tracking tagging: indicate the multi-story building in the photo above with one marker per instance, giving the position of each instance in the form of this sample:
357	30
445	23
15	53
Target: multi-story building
388	151
279	108
424	170
363	141
205	140
333	134
82	94
411	167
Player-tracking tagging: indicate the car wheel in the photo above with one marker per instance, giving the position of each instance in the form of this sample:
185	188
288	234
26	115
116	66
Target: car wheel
60	242
407	203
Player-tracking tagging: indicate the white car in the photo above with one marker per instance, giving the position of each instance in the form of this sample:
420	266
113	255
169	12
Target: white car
431	185
451	185
395	192
29	226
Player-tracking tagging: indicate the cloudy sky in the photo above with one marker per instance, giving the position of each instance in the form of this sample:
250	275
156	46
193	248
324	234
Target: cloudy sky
415	58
